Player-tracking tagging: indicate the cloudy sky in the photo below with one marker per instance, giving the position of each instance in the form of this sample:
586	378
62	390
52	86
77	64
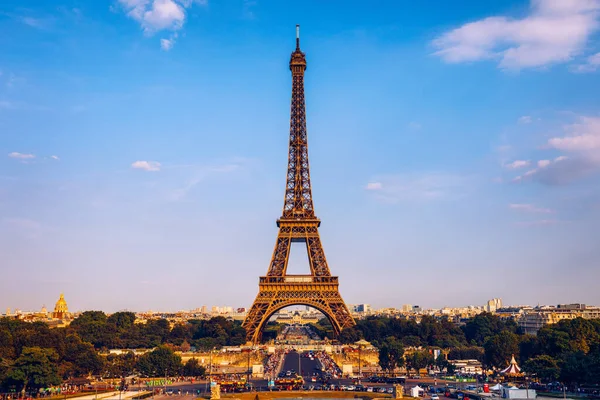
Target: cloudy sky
455	149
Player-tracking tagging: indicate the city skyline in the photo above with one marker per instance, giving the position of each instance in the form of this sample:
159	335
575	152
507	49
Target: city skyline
143	149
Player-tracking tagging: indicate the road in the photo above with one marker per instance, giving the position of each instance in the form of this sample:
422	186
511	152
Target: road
304	366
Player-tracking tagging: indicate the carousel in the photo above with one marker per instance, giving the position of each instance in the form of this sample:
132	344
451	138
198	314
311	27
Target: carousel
513	370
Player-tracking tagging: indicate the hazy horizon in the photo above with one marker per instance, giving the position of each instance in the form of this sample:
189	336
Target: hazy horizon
454	150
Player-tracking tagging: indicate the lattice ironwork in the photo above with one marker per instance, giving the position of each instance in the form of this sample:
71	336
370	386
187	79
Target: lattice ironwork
298	223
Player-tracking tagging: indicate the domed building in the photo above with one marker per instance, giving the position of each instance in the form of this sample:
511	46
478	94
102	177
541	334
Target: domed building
61	310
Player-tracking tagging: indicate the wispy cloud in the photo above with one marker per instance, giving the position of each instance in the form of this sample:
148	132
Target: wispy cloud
159	15
21	156
582	136
55	158
167	44
530	208
592	63
581	143
33	22
554	31
415	125
525	119
374	186
518	164
146	165
417	186
201	173
542	165
539	222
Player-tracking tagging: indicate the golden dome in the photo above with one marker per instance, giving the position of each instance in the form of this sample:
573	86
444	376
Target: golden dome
61	309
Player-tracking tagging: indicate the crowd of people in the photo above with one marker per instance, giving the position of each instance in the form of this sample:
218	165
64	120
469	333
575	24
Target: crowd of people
331	368
273	362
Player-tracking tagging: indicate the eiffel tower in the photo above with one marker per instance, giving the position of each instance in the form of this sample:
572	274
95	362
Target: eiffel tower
297	224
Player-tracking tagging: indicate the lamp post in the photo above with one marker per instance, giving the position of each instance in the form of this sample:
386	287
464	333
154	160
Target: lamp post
210	370
249	350
359	364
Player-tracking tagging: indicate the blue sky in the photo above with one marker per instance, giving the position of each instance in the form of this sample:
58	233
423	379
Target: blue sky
455	149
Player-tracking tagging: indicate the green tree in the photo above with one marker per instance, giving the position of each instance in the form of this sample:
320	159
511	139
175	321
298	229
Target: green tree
82	358
500	348
118	365
35	368
391	354
193	368
444	364
161	361
349	335
544	367
420	359
574	368
482	326
123	320
466	353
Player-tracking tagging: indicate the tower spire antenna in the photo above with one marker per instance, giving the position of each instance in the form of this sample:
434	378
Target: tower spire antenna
297	36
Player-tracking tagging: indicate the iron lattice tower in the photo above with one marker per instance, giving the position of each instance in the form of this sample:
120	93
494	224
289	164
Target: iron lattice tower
298	223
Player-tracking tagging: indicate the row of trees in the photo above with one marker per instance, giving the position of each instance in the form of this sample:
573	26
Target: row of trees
569	350
119	331
38	367
33	355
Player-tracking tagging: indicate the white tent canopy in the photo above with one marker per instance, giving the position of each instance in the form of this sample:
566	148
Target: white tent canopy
415	391
496	387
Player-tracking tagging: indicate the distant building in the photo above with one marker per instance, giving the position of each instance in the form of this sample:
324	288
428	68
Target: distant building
406	308
467	366
531	321
416	309
298	318
493	305
203	310
362	308
61	310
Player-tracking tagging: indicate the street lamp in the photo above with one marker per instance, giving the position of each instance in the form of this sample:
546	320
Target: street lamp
361	343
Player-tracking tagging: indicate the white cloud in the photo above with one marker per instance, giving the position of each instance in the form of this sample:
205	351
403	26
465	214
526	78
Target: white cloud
554	31
146	165
525	119
373	186
157	15
417	186
21	156
529	208
33	22
543	163
592	64
581	141
582	136
167	44
55	158
518	164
